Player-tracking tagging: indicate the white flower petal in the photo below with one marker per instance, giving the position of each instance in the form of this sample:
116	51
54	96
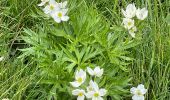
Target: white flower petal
132	34
102	92
58	20
124	13
42	4
97	98
142	88
77	75
141	14
132	31
99	74
145	12
65	18
90	94
100	98
128	23
95	86
82	74
136	97
130	11
46	10
65	4
90	88
90	71
80	77
64	11
97	69
80	97
133	90
94	98
76	92
75	84
52	2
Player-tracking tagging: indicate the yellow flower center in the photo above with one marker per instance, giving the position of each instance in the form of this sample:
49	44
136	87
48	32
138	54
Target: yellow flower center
139	93
129	23
80	80
96	94
60	14
91	89
80	94
51	7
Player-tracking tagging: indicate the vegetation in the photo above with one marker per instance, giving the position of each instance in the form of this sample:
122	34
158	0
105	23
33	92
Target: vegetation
41	56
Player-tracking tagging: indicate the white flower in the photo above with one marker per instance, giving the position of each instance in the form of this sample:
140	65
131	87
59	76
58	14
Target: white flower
60	15
128	23
96	72
138	93
130	11
51	7
97	93
80	77
43	2
62	5
132	31
141	13
1	58
90	87
80	93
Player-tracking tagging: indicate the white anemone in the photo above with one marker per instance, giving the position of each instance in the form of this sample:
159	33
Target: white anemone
138	93
128	23
97	93
51	7
60	15
96	72
80	77
80	93
130	11
141	13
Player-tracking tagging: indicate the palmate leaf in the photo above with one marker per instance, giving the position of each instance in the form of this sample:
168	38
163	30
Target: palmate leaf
79	58
90	53
27	52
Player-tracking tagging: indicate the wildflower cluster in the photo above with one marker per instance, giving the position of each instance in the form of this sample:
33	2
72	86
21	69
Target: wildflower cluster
58	11
138	93
93	90
86	85
130	12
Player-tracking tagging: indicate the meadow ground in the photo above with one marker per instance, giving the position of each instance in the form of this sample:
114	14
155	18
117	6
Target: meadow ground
41	56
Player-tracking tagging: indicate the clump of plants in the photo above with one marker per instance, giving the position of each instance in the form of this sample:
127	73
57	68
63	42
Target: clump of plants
75	37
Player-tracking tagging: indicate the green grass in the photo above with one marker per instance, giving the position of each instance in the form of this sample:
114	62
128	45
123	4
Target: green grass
41	55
